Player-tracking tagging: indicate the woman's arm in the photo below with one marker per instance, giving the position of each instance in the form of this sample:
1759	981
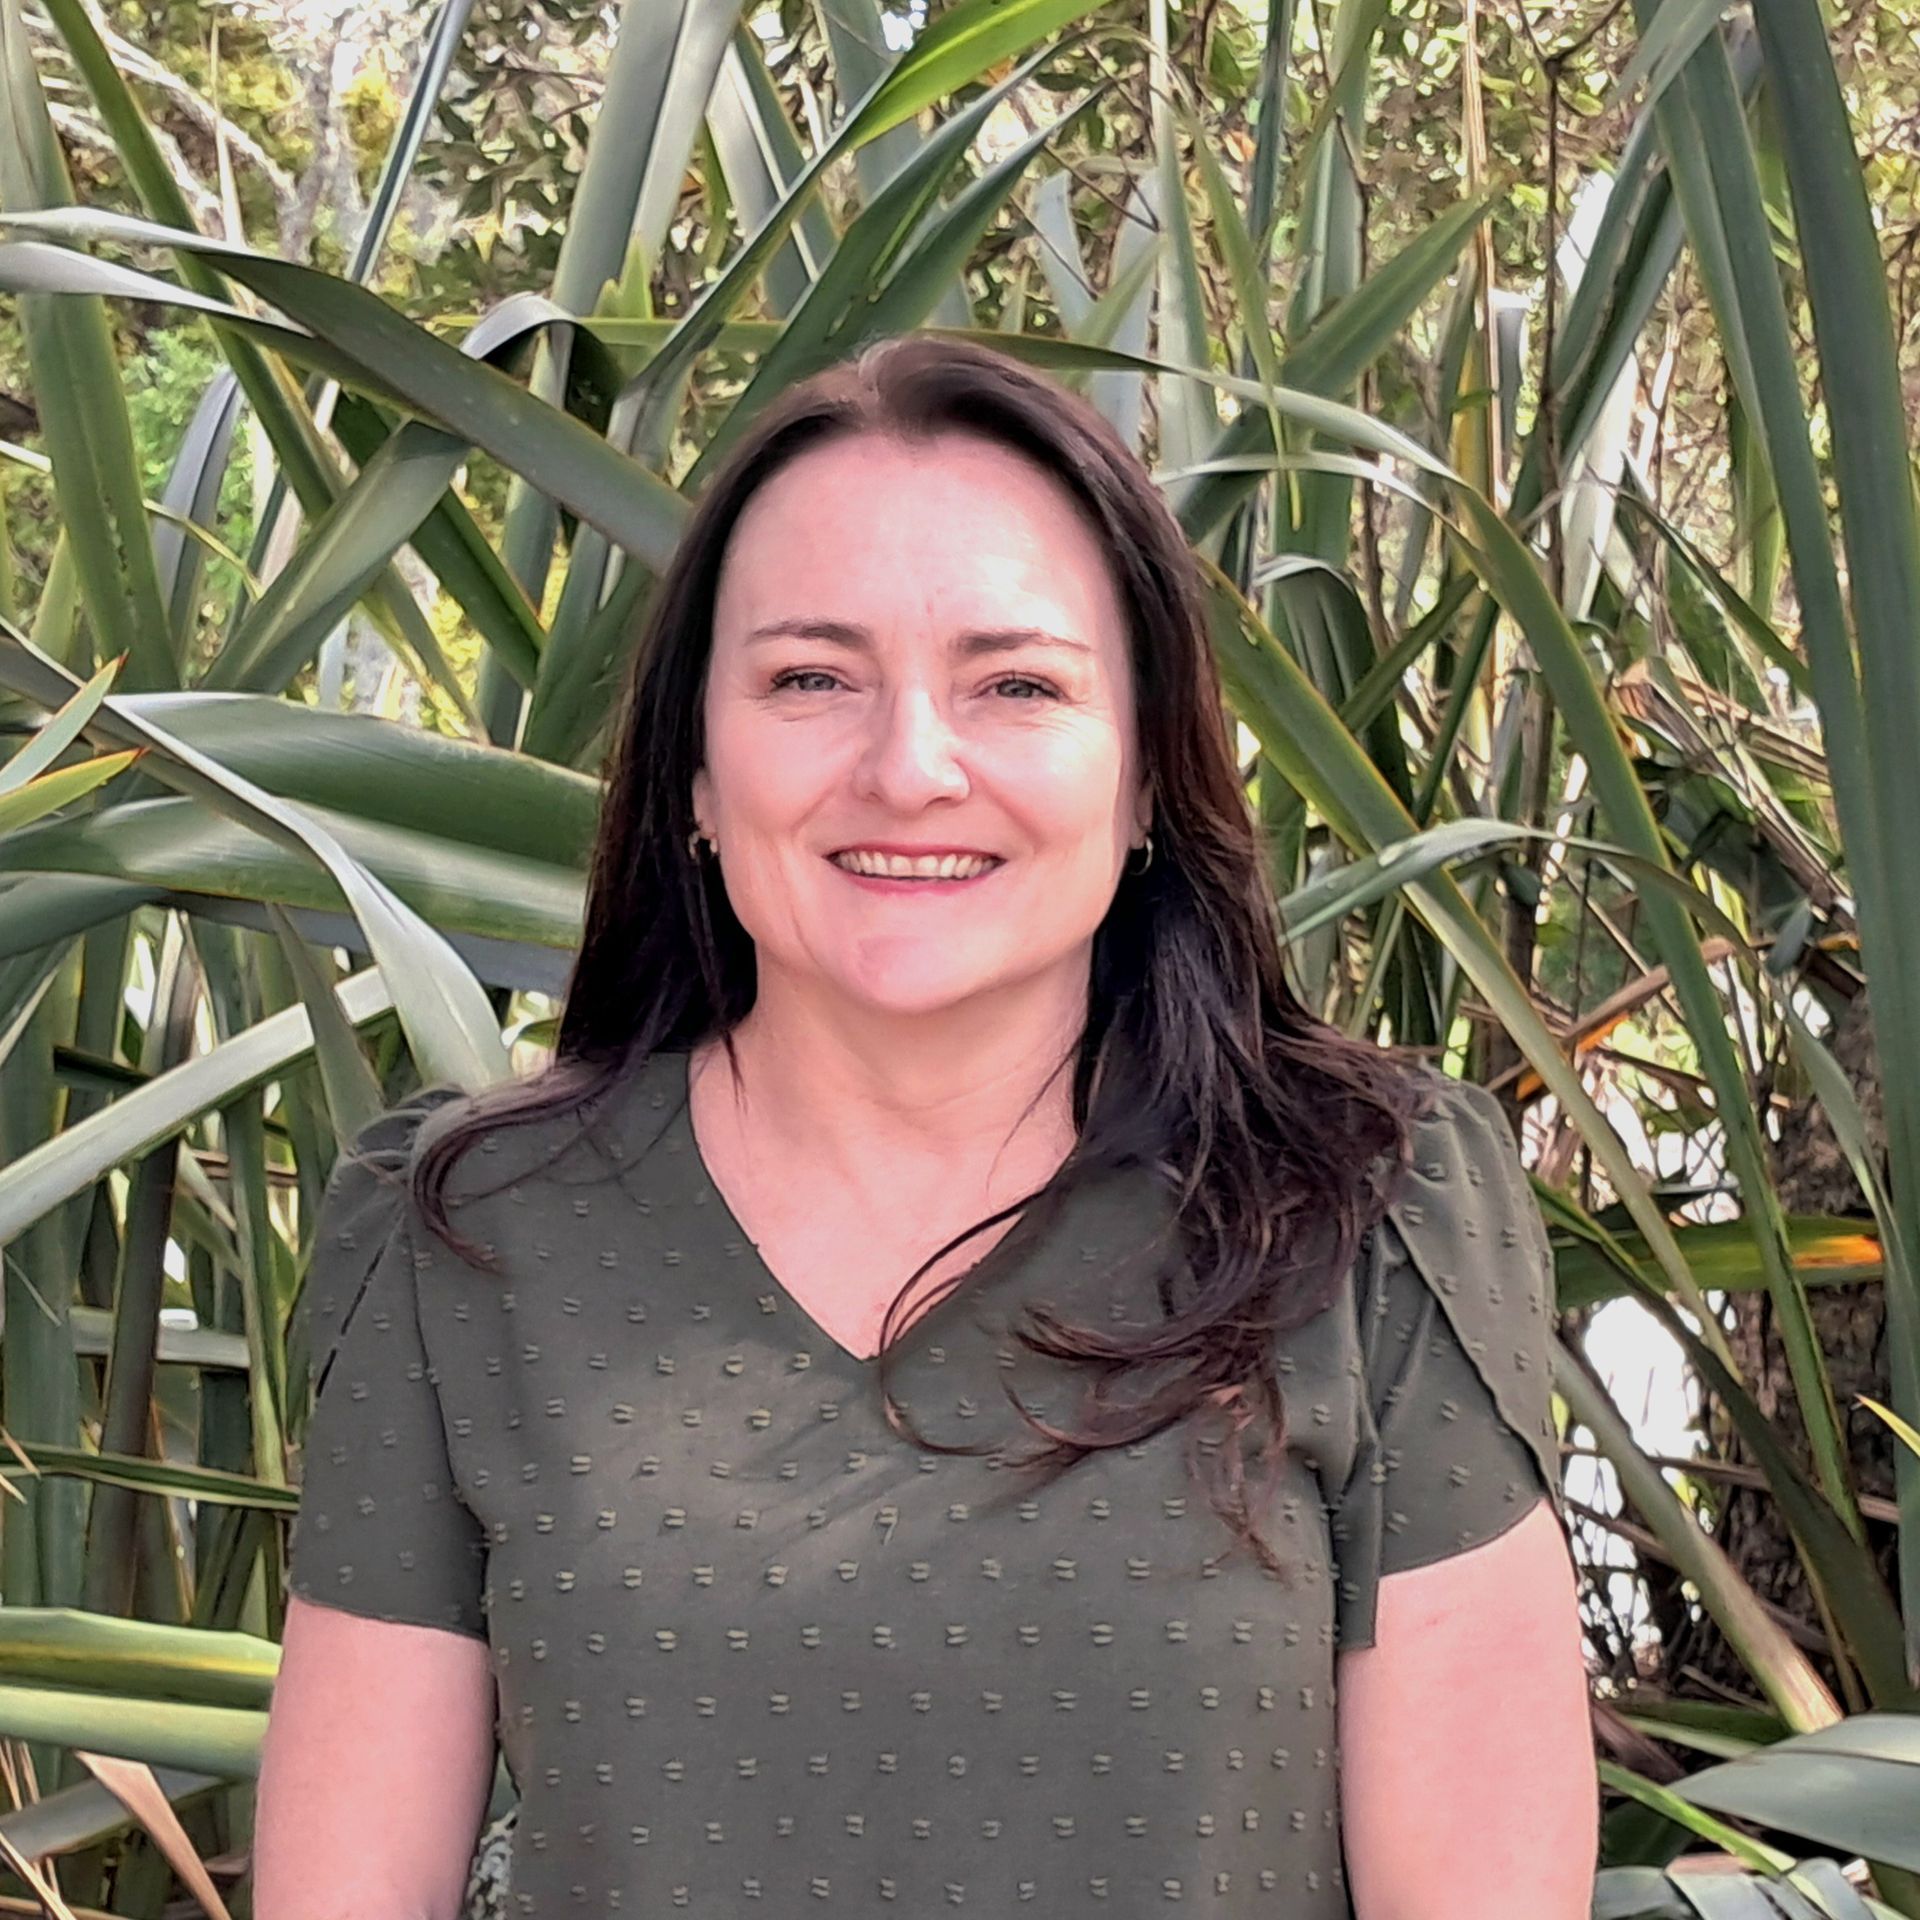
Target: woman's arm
375	1771
1467	1768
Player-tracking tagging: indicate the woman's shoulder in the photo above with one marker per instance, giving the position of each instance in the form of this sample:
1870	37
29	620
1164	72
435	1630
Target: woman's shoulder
1463	1180
390	1140
541	1126
372	1173
521	1155
1462	1224
366	1207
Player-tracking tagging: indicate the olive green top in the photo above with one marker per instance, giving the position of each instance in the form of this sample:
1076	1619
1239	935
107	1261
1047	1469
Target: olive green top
757	1652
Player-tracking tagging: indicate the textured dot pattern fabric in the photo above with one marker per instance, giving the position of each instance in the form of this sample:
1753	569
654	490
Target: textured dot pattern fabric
757	1652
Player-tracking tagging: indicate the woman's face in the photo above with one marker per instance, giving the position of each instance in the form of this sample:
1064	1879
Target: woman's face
919	653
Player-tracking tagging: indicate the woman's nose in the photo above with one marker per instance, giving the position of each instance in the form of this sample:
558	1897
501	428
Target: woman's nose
912	756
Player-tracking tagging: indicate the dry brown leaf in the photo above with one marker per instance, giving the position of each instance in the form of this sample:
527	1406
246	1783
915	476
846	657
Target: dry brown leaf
131	1782
42	1884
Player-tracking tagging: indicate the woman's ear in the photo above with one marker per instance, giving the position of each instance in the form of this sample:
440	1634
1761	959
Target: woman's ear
703	802
1143	807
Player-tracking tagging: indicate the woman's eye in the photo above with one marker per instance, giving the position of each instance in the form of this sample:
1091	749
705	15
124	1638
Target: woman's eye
1024	687
794	676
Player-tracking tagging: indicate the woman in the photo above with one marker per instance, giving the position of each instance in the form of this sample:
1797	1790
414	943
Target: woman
1184	1529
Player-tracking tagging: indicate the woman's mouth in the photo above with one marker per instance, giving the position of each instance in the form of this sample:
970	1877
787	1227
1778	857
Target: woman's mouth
916	869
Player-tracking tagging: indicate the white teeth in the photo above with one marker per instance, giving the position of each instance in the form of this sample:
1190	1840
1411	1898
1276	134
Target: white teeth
901	866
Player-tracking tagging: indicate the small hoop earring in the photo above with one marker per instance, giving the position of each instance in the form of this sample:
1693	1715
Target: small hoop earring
1148	861
694	840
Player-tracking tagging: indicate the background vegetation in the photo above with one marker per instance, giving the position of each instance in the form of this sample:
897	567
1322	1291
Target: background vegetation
1532	381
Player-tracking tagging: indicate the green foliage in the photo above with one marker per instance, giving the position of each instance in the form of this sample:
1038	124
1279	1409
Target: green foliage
259	91
372	114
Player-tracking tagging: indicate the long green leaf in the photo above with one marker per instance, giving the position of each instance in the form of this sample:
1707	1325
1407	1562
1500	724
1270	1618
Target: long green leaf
937	255
341	557
175	1479
1668	44
1783	1672
1675	1806
217	1740
36	266
1852	1785
192	497
33	1183
1861	379
659	77
1349	889
1828	1251
386	354
52	791
181	845
459	555
1321	759
866	249
383	770
966	41
903	92
83	412
1513	579
296	440
1189	414
139	1290
81	1816
438	51
449	1022
759	158
354	1099
1353	333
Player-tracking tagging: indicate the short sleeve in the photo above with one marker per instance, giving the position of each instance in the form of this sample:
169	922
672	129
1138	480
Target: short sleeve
381	1529
1454	1297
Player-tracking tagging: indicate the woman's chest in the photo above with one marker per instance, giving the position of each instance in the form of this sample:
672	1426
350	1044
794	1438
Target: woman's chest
700	1523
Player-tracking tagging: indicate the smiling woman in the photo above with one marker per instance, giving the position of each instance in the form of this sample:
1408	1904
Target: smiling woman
919	650
928	1087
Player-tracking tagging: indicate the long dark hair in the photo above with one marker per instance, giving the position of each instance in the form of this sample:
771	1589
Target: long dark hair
1272	1131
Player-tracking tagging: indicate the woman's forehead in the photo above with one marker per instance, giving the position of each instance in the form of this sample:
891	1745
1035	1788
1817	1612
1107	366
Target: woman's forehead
872	534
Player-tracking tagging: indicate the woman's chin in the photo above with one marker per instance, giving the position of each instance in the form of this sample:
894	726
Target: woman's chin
909	1000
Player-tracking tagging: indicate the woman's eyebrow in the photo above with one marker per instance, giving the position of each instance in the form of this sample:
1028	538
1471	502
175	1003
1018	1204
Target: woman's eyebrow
837	632
970	645
1010	639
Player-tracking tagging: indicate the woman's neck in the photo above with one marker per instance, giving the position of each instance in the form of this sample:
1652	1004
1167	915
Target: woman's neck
890	1105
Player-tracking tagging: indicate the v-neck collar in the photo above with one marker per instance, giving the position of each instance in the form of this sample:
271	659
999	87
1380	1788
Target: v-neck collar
1014	1246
